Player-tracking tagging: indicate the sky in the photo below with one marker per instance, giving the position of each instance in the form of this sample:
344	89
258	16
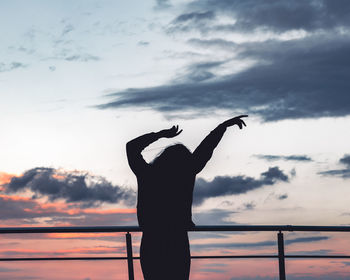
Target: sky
79	79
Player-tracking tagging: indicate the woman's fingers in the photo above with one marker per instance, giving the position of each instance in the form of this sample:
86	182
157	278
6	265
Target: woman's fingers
178	132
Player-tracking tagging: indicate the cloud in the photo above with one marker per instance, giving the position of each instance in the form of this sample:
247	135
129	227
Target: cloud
67	29
277	15
188	21
199	72
69	186
226	185
83	218
265	243
283	196
299	276
344	173
5	67
81	57
249	205
143	43
13	207
6	269
162	4
287	158
217	216
304	78
98	250
345	160
194	17
16	210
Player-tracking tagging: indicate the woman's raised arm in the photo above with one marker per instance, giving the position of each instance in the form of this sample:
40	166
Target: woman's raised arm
135	146
204	151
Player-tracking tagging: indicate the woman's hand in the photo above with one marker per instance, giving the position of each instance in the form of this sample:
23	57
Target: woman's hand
171	132
236	120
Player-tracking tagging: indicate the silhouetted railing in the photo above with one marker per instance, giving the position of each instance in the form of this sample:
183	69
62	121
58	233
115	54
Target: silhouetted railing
279	229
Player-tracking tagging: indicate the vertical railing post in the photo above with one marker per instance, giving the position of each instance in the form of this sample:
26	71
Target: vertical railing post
281	260
129	255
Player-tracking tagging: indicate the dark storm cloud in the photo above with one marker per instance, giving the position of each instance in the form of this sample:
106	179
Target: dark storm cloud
69	186
304	78
226	185
265	243
274	15
287	158
344	173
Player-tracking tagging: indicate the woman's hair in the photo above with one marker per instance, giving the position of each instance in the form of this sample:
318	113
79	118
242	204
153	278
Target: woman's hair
171	156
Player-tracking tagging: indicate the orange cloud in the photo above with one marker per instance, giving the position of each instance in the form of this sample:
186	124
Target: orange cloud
65	208
5	178
110	211
88	250
14	197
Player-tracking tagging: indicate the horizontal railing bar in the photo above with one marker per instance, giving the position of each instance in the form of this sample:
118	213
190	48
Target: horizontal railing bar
99	229
272	256
318	256
235	257
102	229
62	259
192	257
125	258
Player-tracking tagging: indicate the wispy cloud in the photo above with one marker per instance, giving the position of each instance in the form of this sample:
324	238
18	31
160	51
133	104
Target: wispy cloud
299	276
276	16
6	67
290	78
221	217
275	88
287	158
344	173
162	4
98	250
265	243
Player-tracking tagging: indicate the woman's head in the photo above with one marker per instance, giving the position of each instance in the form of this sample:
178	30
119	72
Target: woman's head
173	156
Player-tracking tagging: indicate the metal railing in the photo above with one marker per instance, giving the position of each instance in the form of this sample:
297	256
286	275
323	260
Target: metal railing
127	229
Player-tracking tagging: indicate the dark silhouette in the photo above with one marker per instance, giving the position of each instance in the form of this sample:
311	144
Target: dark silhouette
165	189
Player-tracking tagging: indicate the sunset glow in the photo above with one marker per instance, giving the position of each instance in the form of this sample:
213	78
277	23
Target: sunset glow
79	79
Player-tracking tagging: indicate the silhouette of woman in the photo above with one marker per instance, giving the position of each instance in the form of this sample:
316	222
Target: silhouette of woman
164	206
